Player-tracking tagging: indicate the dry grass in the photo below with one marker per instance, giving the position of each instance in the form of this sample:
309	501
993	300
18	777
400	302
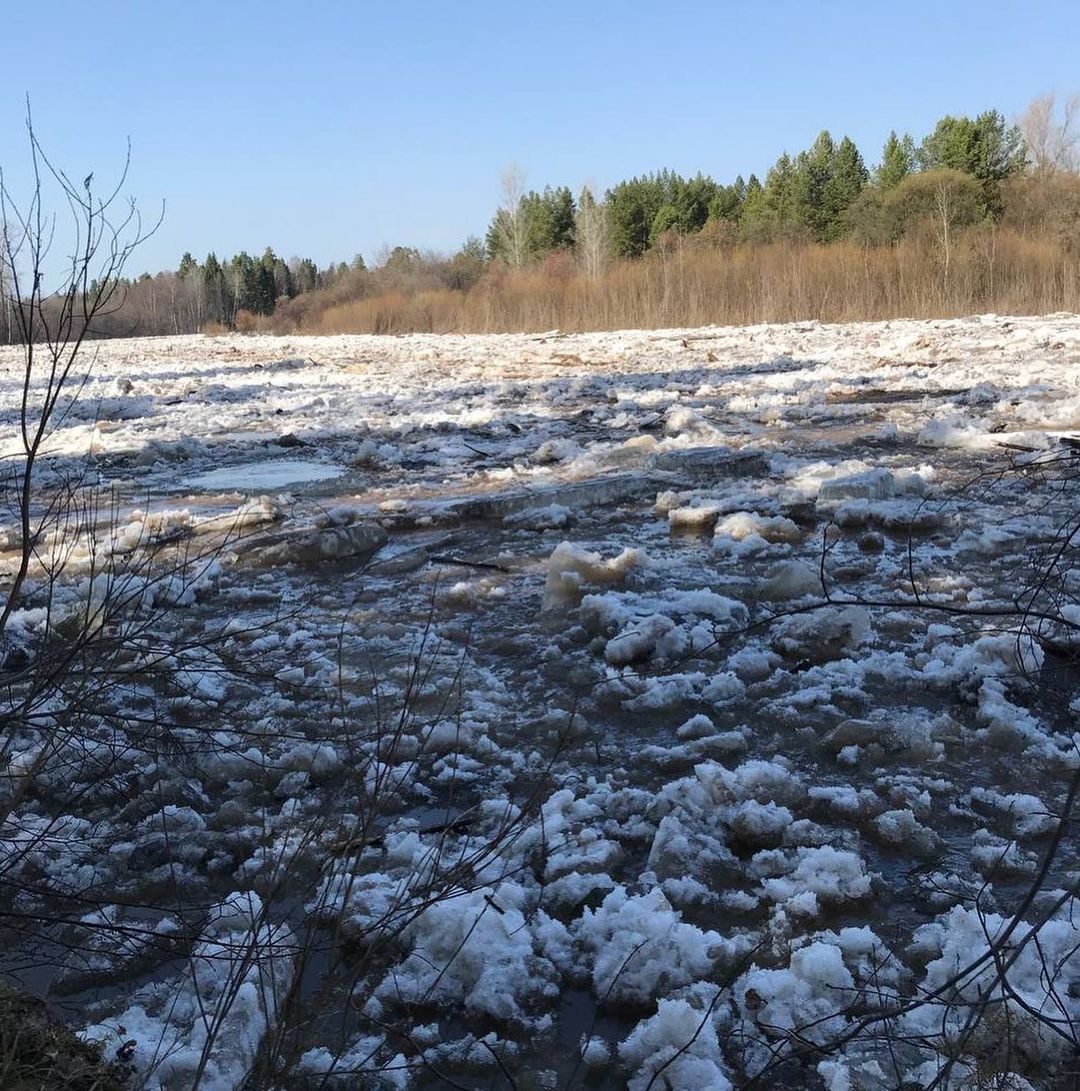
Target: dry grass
37	1054
692	283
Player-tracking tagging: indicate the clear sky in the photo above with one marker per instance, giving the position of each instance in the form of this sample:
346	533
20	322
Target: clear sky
324	129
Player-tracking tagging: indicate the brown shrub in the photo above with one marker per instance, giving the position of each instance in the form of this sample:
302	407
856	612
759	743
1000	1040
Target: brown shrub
712	279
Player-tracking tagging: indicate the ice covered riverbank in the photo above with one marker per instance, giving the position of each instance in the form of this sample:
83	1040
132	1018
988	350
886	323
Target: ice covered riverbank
518	751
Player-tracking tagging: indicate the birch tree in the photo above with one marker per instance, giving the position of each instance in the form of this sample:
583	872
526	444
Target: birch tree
1052	137
510	228
592	234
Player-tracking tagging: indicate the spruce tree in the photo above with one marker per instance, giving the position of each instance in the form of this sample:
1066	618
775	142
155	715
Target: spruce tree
665	220
752	211
220	300
813	170
780	199
550	219
727	203
632	207
269	282
847	179
691	202
897	162
986	148
563	218
243	281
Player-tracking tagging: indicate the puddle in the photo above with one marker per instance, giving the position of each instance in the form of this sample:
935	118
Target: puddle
253	476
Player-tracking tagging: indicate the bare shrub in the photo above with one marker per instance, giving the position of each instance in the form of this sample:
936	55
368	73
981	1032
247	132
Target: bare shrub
113	703
941	268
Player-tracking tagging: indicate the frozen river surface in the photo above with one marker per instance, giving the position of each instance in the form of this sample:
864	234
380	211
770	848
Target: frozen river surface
685	709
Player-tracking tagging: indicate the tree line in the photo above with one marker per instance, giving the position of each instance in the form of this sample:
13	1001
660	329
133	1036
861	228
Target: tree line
965	173
823	194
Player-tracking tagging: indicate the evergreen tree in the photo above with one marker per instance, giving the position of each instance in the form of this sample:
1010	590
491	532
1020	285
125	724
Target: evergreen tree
999	153
897	162
726	203
752	211
243	280
537	225
562	218
188	266
691	202
665	220
549	221
266	282
632	208
780	197
847	180
951	146
220	300
812	172
497	239
986	148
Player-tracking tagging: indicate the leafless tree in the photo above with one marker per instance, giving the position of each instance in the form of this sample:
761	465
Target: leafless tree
90	615
83	606
1052	135
592	234
7	324
948	197
56	300
510	223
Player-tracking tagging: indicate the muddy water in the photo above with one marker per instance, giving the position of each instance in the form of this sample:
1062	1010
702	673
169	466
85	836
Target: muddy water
459	590
499	620
504	624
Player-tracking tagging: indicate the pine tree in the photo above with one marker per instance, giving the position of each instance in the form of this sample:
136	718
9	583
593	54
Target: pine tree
813	170
752	211
847	179
951	146
999	153
549	220
897	162
986	148
692	201
665	220
727	202
220	300
780	200
632	207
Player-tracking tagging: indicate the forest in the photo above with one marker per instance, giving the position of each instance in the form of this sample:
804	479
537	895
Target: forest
979	215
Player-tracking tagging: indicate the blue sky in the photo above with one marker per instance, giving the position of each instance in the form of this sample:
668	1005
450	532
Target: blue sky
324	129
